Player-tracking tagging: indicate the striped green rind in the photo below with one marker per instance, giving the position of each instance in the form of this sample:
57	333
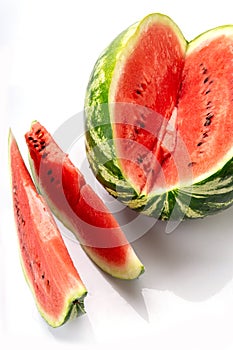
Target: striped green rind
207	195
204	198
99	136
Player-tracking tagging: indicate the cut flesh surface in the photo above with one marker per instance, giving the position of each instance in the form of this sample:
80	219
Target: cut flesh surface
172	108
48	268
76	204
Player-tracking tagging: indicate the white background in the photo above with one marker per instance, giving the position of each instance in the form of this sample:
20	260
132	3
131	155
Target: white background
185	298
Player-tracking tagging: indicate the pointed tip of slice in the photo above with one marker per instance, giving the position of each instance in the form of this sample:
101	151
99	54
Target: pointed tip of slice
10	136
142	270
131	269
34	122
134	267
137	269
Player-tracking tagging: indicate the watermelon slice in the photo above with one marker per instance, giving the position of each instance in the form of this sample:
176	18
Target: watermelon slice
78	206
55	283
159	119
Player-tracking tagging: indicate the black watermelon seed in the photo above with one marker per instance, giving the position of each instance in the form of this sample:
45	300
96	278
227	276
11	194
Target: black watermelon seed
38	131
138	92
136	130
52	179
139	159
205	135
191	164
207	92
206	79
204	70
208	122
30	138
49	172
199	144
141	124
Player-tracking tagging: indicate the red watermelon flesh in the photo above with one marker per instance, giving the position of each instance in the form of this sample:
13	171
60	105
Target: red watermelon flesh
151	78
48	268
75	203
187	129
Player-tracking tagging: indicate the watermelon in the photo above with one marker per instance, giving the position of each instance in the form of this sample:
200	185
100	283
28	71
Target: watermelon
51	275
78	207
158	113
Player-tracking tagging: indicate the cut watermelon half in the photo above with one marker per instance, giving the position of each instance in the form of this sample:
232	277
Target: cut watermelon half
159	119
78	207
51	275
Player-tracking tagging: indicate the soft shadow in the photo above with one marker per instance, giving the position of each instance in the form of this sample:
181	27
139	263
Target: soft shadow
195	261
77	331
131	291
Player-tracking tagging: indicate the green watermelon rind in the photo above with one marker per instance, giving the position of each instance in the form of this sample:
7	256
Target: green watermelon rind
204	38
207	195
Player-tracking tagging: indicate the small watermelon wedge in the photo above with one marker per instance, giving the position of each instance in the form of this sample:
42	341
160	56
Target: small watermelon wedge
78	207
51	275
159	114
